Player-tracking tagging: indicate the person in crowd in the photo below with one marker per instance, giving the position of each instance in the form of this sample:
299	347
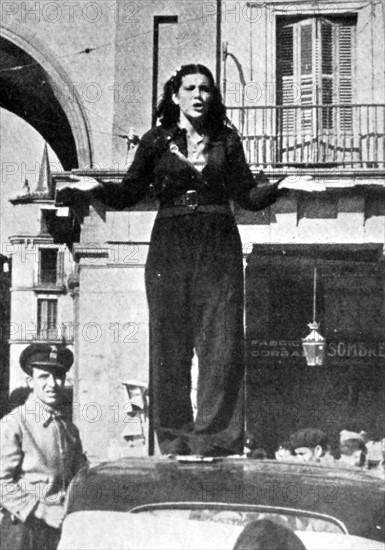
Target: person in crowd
352	449
265	534
285	452
376	458
194	162
40	454
251	448
311	445
250	443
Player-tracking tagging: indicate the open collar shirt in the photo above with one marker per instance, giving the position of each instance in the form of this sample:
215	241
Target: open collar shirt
41	452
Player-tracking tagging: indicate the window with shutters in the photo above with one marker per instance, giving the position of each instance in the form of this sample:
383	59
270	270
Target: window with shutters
47	319
51	264
48	266
46	221
315	66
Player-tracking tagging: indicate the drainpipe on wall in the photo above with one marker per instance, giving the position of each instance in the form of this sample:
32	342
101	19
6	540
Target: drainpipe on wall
238	65
219	42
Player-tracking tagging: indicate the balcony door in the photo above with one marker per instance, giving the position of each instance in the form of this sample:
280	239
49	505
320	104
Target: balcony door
47	328
50	269
315	63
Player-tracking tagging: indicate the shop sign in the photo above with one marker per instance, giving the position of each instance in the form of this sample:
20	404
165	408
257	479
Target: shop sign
272	349
356	349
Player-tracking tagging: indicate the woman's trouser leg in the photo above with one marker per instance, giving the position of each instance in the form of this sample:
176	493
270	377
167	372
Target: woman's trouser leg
218	319
171	340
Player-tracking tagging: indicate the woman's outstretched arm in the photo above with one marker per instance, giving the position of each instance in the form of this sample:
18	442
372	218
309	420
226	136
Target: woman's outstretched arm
249	191
256	192
131	190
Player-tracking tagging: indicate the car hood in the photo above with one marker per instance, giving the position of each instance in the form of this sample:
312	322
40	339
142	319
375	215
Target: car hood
354	498
126	531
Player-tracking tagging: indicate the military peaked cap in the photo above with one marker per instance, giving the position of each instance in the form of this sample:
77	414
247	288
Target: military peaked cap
57	358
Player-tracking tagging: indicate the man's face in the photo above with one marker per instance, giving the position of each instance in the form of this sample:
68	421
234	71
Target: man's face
47	385
359	458
356	459
283	454
308	454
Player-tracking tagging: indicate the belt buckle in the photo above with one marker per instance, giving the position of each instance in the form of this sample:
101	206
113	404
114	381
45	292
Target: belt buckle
191	199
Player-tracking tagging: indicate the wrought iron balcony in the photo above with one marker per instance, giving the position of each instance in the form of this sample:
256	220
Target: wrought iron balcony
49	279
349	136
56	333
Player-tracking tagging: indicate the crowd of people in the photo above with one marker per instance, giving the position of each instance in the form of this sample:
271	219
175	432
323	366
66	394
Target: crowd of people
355	450
41	452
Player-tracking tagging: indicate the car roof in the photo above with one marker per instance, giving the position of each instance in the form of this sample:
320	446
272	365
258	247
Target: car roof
355	498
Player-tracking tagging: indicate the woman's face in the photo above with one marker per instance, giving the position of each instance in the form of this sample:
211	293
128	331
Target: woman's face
193	96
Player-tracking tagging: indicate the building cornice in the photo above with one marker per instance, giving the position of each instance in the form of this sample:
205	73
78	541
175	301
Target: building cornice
324	5
39	239
40	289
87	251
29	199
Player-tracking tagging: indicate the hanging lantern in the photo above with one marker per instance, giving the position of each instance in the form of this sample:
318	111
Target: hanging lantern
314	345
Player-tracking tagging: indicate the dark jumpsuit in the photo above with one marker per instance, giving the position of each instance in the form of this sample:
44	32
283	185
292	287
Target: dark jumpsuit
194	284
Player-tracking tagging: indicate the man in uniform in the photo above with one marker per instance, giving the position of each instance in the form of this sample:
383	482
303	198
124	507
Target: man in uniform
40	453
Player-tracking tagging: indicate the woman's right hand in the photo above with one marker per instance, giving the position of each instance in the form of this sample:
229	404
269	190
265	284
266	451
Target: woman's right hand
77	189
301	183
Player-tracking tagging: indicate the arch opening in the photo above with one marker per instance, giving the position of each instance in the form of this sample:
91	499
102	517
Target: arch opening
34	95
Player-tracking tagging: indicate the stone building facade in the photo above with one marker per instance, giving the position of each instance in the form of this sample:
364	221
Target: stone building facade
305	87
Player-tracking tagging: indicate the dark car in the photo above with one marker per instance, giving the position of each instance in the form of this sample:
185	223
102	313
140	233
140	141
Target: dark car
191	501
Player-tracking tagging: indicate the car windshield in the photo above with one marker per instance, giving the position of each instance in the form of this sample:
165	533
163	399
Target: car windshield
296	520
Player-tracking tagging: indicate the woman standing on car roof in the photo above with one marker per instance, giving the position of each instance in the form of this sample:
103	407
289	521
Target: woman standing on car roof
195	163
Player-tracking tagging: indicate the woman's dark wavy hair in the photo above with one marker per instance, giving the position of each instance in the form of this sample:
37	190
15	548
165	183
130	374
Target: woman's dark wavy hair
168	111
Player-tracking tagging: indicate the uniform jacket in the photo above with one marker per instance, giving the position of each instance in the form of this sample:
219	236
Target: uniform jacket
226	175
40	454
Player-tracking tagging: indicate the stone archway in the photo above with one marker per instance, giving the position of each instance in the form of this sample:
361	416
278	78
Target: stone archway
35	93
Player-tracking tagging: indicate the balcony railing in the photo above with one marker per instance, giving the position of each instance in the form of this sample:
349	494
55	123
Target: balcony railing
56	332
344	135
52	280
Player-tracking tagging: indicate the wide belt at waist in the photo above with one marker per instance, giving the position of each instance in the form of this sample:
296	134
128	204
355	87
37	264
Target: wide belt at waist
192	199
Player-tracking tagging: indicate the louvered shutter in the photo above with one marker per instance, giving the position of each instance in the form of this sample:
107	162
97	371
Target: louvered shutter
336	73
306	128
315	71
285	65
327	80
52	314
42	313
306	68
60	268
307	73
345	44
